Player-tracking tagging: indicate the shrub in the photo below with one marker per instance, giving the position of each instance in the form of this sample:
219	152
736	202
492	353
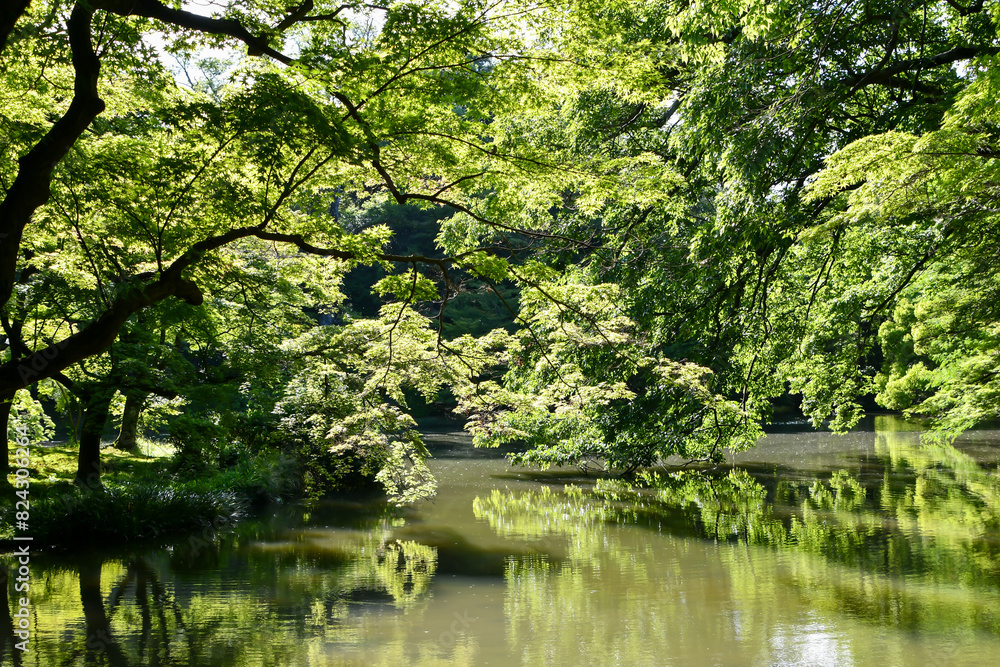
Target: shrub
127	512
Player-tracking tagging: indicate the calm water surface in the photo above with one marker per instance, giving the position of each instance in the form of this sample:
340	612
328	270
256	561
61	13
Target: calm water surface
865	549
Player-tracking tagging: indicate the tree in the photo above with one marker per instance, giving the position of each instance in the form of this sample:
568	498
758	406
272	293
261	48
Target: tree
352	107
747	268
648	175
123	189
935	196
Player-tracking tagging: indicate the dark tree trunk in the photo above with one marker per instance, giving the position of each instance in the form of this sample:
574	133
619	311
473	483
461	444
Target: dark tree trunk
127	437
6	401
88	471
102	332
30	189
100	643
10	12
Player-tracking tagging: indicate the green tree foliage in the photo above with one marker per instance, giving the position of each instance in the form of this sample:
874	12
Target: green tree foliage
123	188
686	210
933	199
817	167
827	99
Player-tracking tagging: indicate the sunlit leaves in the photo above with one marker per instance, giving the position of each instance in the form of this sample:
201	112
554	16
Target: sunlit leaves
585	387
927	202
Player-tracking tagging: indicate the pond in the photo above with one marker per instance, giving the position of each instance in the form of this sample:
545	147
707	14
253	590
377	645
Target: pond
871	548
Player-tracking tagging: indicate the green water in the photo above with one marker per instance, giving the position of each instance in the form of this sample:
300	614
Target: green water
866	549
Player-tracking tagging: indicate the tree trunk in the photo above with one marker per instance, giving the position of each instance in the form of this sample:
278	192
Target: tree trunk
10	12
100	643
127	437
31	188
88	471
6	402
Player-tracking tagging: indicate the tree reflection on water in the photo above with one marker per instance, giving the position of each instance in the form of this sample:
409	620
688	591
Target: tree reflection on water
865	559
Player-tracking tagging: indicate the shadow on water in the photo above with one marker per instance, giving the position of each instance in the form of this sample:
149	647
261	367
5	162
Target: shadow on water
457	445
457	555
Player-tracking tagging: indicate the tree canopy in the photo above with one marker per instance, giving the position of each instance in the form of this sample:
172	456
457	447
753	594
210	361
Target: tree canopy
680	212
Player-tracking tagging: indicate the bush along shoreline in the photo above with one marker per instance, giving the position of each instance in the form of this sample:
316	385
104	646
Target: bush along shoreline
128	512
145	498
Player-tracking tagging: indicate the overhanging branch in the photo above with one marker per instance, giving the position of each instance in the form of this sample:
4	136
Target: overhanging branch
885	75
97	336
10	12
257	45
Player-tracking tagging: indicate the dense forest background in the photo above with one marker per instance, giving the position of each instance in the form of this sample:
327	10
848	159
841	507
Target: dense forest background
606	231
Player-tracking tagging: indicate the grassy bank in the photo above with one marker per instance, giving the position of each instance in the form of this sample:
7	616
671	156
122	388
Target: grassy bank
143	496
